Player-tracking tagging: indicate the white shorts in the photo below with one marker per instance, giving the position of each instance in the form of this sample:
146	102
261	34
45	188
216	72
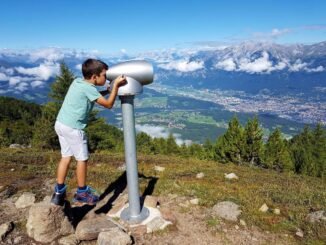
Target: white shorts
73	142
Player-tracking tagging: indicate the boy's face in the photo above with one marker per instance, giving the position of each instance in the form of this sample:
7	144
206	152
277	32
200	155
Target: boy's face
101	79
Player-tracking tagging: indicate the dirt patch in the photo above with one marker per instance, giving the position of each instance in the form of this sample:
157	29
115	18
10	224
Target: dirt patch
192	227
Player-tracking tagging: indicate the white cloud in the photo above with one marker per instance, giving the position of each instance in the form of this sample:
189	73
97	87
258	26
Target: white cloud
183	65
153	131
227	65
260	65
50	54
42	72
78	67
14	80
298	65
160	132
277	32
272	35
317	69
22	86
3	77
37	83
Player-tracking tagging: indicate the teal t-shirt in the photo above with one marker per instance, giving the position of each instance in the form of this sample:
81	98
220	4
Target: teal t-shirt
78	104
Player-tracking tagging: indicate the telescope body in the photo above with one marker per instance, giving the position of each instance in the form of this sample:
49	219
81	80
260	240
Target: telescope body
137	72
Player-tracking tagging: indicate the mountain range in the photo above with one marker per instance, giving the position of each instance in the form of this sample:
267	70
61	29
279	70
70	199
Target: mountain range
288	81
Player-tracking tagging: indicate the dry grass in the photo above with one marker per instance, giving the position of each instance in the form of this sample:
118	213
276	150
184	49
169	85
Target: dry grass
296	196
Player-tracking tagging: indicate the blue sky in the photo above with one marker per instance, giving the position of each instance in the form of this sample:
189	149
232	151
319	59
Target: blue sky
135	26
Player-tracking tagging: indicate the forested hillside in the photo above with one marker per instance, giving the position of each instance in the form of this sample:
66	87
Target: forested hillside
31	124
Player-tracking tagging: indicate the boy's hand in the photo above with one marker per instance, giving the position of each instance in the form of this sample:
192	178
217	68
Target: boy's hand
120	80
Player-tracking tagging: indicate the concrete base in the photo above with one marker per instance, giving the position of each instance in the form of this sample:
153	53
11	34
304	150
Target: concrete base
153	222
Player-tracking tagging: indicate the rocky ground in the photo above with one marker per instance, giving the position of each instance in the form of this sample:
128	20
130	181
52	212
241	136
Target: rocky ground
191	224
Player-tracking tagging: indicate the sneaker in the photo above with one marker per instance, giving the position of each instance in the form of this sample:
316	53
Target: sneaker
86	197
59	196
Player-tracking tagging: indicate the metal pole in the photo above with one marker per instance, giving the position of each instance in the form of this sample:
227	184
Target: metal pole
132	214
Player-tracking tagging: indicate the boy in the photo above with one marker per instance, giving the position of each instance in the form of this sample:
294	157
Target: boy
72	119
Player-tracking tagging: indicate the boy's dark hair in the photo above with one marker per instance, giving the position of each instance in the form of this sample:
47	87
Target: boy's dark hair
93	67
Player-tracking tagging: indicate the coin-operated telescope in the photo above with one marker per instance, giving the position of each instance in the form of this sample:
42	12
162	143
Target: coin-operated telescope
138	73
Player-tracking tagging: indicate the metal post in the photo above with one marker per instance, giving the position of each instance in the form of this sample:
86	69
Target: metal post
132	214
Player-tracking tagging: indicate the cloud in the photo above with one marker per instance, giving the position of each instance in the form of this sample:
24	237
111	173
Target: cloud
78	67
183	65
153	131
260	65
22	86
160	132
37	83
50	54
13	81
272	35
42	72
3	77
227	65
317	69
314	27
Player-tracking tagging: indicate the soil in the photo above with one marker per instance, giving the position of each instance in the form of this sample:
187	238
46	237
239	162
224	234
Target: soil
190	223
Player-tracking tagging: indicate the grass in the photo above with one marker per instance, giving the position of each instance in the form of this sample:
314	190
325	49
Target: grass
295	195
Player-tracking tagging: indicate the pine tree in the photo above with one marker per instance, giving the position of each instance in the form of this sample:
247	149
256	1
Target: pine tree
44	135
253	143
60	86
301	151
276	154
171	146
319	150
144	143
232	145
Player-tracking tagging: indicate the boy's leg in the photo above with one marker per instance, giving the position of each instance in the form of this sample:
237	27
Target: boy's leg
81	173
84	193
59	194
63	169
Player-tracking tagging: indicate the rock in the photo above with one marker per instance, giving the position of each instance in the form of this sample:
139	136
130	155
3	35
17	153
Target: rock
263	208
151	201
27	199
69	240
168	215
18	240
16	146
226	210
158	223
122	167
194	201
317	216
242	222
114	236
46	222
200	175
237	227
231	176
159	169
90	228
138	231
277	211
118	205
299	233
8	191
5	229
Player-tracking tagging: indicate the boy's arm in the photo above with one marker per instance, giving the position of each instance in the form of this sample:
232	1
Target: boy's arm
109	102
105	92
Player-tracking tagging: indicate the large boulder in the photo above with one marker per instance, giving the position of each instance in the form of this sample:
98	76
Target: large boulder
90	228
46	222
226	210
